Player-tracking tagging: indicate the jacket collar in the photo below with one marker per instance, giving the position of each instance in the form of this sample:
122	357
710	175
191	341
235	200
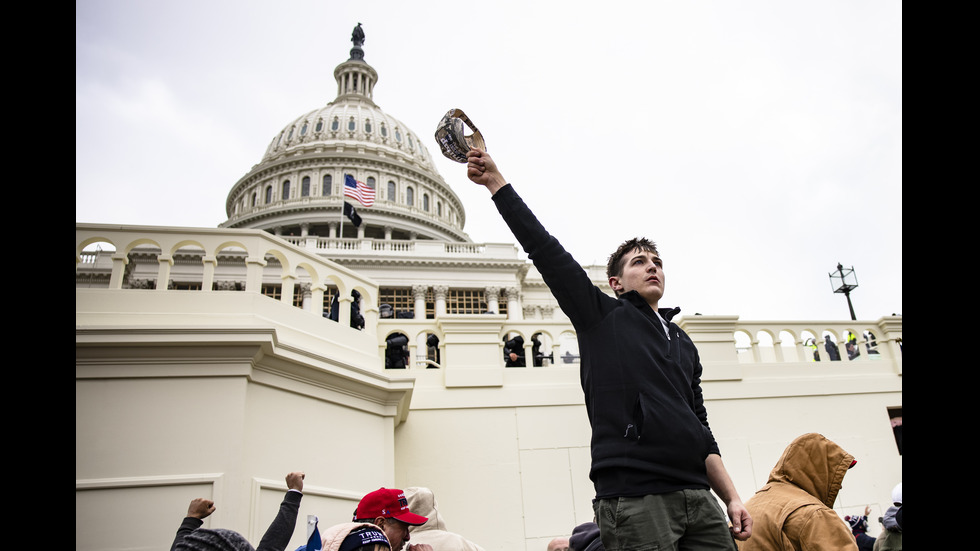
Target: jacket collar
635	299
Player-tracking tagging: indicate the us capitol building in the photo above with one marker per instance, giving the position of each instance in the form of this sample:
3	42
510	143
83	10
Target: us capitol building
209	362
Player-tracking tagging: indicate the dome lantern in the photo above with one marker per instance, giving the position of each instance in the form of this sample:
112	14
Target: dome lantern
355	78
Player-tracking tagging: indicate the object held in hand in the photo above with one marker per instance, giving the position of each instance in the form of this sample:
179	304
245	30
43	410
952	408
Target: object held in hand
451	138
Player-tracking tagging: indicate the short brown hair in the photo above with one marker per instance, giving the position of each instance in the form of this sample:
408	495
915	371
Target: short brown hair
614	267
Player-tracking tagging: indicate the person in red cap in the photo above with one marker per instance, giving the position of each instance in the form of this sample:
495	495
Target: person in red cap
387	508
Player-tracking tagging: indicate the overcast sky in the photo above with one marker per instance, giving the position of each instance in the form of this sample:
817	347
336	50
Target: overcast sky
758	142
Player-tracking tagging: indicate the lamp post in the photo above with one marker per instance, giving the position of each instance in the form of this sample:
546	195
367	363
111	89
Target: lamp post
844	280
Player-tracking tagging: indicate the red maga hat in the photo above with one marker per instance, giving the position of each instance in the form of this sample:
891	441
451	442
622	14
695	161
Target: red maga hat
387	503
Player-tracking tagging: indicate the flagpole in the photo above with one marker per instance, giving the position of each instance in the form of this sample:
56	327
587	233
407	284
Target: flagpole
343	200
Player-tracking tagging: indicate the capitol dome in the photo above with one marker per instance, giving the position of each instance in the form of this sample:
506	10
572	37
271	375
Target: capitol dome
297	187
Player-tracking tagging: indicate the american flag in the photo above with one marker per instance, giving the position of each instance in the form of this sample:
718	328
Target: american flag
358	190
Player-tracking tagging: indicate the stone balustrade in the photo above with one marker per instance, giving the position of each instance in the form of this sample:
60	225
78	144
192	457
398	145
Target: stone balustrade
724	342
295	264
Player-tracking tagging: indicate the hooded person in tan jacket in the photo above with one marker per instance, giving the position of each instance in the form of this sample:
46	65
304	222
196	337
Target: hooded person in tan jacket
794	510
433	532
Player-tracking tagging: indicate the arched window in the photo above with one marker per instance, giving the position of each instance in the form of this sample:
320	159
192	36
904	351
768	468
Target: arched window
335	125
391	191
327	185
439	208
302	131
305	187
398	136
371	182
409	196
290	136
351	125
367	126
319	126
268	194
285	190
254	198
425	202
384	130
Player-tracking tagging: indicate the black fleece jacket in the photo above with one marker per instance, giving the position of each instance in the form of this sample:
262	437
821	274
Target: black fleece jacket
650	431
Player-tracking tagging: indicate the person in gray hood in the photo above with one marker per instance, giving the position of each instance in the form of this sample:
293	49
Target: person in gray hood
890	538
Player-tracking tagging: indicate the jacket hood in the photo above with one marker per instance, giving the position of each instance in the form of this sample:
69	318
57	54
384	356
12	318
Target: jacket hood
814	464
422	501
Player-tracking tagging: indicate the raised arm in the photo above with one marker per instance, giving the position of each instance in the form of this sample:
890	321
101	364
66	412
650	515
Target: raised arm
577	296
277	537
199	509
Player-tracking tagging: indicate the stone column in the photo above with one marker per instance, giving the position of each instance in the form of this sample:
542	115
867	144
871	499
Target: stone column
440	292
493	298
514	310
418	292
306	303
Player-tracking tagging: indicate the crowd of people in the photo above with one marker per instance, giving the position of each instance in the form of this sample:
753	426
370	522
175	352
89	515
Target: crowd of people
792	511
382	521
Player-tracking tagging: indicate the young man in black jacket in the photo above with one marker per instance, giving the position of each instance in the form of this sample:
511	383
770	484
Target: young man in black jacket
654	459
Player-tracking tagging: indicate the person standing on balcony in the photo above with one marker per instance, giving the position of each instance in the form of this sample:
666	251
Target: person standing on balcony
832	349
654	458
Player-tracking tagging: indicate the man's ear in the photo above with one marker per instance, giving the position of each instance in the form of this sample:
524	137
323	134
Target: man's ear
614	282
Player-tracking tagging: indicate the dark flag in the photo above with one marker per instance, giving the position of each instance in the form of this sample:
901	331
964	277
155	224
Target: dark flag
314	543
349	212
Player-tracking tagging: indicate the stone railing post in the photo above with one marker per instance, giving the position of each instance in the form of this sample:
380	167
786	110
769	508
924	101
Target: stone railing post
163	275
715	338
119	262
210	263
253	273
